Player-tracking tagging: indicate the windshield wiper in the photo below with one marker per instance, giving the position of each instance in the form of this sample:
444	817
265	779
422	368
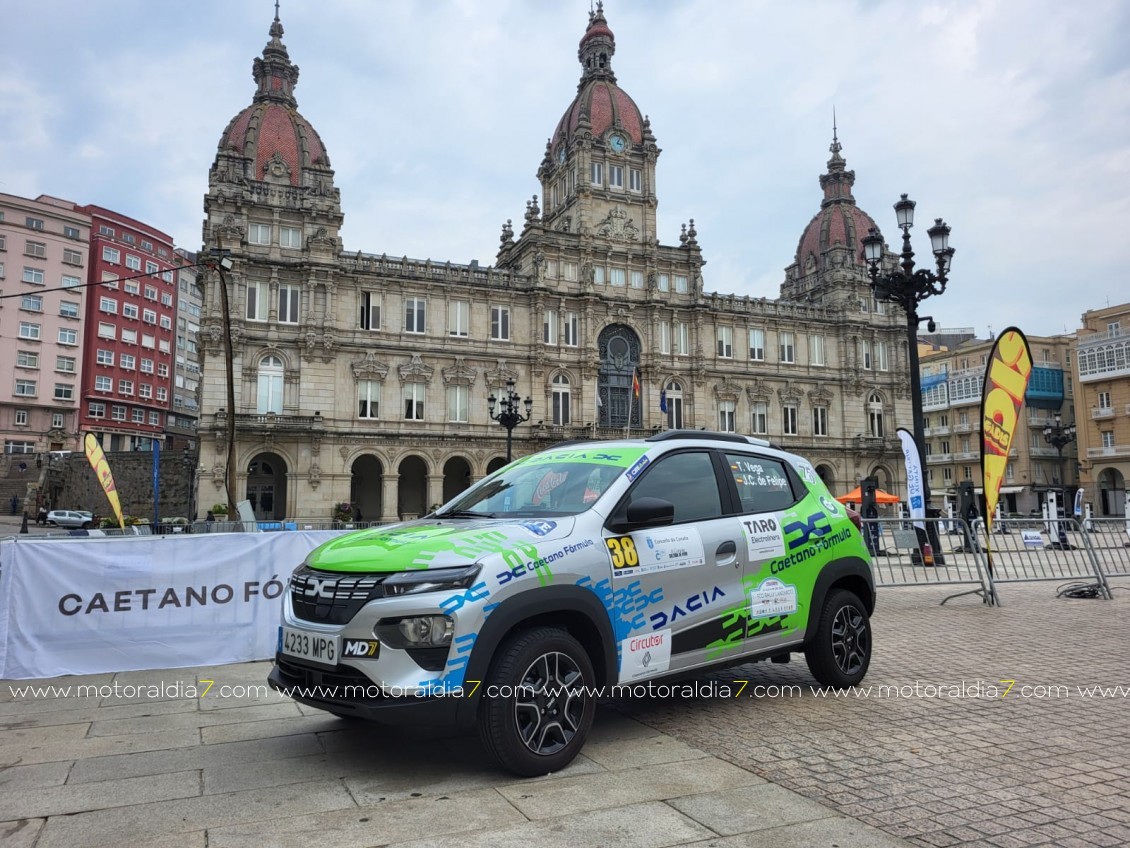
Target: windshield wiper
465	513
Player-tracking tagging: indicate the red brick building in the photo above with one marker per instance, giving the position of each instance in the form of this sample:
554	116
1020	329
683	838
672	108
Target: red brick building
130	332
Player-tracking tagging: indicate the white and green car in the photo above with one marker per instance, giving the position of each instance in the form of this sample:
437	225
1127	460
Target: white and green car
593	565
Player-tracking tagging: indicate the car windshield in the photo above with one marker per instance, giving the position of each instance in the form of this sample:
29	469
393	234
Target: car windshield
535	489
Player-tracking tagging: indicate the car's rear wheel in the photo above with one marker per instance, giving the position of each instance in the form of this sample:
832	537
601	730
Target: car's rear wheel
840	650
538	704
86	525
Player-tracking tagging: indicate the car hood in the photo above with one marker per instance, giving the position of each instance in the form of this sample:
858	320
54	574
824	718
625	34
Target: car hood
434	543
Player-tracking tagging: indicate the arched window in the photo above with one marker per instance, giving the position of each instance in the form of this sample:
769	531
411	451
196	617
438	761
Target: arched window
674	400
560	401
875	415
270	397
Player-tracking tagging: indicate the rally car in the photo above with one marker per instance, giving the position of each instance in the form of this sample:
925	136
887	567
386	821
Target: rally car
589	566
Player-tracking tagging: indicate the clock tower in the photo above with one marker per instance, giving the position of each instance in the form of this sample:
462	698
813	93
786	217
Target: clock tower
598	173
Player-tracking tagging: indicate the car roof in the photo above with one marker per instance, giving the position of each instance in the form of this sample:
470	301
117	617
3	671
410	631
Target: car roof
670	439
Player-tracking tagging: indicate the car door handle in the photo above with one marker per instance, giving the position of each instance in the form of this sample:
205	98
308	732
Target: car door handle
726	554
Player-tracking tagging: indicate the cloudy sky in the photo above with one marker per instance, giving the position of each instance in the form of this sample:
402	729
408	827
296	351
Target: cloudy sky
1010	119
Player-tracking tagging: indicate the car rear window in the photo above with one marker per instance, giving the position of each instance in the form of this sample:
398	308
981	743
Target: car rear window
763	483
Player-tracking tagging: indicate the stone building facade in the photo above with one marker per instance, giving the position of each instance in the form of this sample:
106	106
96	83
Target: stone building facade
363	377
1103	368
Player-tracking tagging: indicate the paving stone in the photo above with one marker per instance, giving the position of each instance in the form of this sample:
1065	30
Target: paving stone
241	731
80	797
625	787
446	817
652	825
20	833
81	749
833	831
33	777
265	754
126	825
196	718
49	714
749	808
651	750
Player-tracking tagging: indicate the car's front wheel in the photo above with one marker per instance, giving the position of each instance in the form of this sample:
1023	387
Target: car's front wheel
538	704
840	650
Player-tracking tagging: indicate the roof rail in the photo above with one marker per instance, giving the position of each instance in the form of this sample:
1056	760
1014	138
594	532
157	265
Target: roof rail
706	435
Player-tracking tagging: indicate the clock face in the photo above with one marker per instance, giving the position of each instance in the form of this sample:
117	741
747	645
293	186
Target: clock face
617	142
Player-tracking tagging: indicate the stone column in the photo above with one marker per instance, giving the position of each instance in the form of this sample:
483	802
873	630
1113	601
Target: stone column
435	491
390	483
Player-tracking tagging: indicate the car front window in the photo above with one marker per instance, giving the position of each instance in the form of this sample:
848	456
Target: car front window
536	488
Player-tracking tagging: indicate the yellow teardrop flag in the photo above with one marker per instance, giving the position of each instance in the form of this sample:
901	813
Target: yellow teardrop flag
101	468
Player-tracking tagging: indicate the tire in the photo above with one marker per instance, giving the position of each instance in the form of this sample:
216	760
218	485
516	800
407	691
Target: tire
840	651
542	706
86	525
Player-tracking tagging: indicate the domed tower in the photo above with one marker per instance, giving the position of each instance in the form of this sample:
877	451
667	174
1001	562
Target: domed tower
829	264
269	156
598	173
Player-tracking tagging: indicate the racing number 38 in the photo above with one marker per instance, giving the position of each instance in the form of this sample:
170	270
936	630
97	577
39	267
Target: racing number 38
623	551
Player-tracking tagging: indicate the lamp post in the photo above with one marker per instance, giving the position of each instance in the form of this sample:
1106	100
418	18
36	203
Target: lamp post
1060	437
908	288
224	263
509	415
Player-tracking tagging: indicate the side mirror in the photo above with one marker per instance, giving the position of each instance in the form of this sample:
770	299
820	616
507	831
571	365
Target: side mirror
646	512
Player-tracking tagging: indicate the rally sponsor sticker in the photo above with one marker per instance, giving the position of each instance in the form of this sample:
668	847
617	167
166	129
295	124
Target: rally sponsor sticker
830	504
652	551
645	656
763	536
772	597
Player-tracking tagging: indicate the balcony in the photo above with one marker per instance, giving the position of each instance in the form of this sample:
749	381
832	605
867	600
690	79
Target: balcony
1114	451
939	458
967	456
1101	412
963	428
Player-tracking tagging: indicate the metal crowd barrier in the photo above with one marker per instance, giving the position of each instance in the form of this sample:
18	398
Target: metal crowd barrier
900	555
1110	541
1059	551
1020	550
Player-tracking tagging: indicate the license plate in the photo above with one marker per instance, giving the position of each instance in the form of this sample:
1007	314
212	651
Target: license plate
314	647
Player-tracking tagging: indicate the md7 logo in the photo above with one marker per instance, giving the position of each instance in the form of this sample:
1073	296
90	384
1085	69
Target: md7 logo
815	525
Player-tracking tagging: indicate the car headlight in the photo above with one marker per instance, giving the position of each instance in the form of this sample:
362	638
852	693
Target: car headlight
415	631
433	580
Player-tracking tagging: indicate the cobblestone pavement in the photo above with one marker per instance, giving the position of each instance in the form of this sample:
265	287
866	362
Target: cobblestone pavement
1035	766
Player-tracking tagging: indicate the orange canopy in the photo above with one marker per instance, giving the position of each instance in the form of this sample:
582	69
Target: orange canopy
856	496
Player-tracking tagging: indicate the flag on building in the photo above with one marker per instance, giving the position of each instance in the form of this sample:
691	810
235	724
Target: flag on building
635	383
662	400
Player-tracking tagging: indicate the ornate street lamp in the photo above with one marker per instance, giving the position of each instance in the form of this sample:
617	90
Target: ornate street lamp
1059	437
908	288
509	415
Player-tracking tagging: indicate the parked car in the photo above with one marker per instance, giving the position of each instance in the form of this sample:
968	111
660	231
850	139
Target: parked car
567	573
70	518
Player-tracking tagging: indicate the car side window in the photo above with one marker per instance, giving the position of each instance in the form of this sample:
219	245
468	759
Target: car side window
685	479
763	483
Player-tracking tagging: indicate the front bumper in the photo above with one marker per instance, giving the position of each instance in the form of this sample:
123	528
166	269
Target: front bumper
346	691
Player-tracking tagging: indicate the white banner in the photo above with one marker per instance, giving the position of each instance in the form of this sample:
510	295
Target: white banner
86	606
916	494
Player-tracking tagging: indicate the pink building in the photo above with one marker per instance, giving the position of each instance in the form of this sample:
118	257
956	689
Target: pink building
44	256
